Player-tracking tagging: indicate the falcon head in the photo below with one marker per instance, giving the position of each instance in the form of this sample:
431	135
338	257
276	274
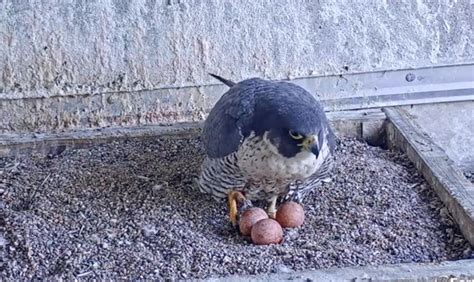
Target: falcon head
284	114
290	119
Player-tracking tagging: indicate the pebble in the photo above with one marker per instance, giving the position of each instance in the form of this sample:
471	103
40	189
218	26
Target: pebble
281	268
3	241
149	231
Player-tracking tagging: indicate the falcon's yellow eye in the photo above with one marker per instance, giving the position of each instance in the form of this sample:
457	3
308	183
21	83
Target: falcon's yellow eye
295	135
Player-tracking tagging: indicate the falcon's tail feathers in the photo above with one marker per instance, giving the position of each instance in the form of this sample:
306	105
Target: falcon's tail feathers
223	80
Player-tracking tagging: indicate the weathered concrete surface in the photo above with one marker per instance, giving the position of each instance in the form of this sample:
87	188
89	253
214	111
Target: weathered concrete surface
131	50
105	109
447	271
188	104
450	126
447	180
66	47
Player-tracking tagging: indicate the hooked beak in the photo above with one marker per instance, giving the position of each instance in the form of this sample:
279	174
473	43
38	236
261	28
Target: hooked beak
315	150
310	144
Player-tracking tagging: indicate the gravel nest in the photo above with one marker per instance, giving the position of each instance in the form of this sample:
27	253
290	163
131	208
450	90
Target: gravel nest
129	209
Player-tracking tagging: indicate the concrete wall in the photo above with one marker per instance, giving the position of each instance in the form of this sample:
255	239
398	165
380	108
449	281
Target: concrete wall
66	64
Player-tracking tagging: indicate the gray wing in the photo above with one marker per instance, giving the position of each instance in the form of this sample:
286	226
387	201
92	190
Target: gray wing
230	120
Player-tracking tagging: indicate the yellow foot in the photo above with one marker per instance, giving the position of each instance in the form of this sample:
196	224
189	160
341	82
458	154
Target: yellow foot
271	214
271	211
232	198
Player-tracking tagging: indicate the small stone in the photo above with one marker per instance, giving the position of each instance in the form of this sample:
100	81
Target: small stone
281	268
3	241
159	187
226	259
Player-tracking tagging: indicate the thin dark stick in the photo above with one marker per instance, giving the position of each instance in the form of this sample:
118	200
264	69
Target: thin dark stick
30	201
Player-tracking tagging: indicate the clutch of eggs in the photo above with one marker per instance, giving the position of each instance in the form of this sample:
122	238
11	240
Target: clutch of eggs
263	230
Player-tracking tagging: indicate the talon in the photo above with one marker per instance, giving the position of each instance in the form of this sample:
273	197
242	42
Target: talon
271	214
232	198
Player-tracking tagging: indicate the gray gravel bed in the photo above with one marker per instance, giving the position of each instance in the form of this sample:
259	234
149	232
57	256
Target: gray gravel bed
129	209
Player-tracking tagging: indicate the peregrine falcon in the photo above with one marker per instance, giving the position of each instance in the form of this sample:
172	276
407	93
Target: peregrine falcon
265	140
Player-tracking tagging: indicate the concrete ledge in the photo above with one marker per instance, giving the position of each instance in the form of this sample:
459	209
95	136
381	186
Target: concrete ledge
448	181
446	271
349	123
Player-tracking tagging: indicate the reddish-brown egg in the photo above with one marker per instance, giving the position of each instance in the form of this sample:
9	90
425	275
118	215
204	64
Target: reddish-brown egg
290	214
249	218
267	231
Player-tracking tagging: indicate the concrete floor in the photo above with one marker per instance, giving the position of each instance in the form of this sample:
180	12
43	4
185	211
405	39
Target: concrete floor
451	126
455	270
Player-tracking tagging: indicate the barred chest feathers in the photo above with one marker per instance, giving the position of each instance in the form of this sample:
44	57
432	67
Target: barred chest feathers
260	161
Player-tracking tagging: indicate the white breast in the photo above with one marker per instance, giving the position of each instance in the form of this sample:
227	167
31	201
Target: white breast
258	159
